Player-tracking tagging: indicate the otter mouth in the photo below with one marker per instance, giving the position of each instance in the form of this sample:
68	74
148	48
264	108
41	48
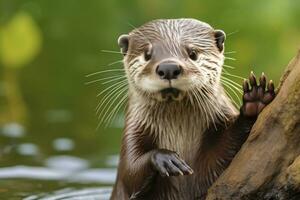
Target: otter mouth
170	94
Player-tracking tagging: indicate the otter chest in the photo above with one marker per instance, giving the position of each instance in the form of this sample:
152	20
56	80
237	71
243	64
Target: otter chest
182	137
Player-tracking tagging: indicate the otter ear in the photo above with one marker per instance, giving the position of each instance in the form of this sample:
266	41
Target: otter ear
220	37
123	42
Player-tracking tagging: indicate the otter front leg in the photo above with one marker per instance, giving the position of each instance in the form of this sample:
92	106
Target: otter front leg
142	163
223	145
256	97
162	163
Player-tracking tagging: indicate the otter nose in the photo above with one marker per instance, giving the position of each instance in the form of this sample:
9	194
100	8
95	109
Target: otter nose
168	70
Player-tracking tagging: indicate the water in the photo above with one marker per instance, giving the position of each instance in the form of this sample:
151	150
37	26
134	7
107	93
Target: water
37	183
71	193
62	177
32	169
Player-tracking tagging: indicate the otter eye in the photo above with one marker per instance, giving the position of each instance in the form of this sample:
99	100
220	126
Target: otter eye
147	55
193	55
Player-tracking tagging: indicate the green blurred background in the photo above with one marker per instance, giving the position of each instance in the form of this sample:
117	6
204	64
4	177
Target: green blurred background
48	46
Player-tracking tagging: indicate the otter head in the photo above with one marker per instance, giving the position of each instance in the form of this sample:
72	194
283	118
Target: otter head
170	59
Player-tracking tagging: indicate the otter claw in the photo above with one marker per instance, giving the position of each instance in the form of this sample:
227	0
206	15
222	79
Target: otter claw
262	81
271	86
245	85
252	79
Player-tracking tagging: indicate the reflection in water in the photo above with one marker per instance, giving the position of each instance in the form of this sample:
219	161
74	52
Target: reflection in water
13	130
61	171
66	163
27	149
40	170
103	176
63	144
71	194
112	161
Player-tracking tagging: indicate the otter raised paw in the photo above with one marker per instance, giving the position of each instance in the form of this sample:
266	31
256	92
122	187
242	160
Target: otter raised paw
256	97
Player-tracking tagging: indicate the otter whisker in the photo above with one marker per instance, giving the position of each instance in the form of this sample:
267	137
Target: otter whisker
228	66
232	85
104	71
105	78
229	52
111	77
107	107
113	63
104	118
232	100
200	104
205	99
236	84
106	102
224	72
229	58
210	111
234	92
90	82
234	32
116	108
210	91
194	95
110	51
223	81
214	104
232	88
121	103
109	96
190	96
115	79
111	117
116	52
113	85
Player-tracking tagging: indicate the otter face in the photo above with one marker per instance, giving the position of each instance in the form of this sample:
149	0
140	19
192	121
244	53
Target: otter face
171	59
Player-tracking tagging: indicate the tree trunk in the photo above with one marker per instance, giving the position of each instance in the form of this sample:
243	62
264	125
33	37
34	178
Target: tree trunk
268	164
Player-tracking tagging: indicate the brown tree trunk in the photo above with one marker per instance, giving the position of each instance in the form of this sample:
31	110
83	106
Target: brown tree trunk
268	164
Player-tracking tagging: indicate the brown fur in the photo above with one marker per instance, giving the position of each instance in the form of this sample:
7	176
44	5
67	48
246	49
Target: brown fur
202	126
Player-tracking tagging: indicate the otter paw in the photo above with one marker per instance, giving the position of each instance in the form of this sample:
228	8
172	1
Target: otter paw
168	163
258	96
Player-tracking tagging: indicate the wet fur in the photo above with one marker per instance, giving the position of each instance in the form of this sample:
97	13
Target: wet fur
203	127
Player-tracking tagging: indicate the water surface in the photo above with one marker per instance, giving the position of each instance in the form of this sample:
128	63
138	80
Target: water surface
50	168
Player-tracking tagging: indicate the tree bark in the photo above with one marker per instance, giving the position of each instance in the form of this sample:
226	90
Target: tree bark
268	164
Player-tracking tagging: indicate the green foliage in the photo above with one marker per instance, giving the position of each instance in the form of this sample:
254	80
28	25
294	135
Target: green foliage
20	41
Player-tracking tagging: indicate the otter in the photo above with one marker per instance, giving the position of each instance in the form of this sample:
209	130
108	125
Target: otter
181	129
